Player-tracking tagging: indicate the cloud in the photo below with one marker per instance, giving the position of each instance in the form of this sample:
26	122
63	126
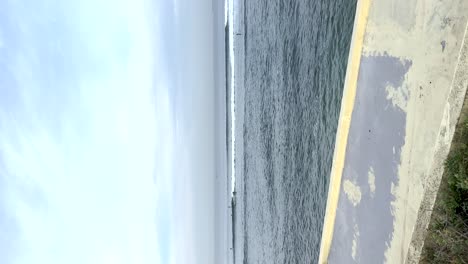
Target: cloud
78	146
106	132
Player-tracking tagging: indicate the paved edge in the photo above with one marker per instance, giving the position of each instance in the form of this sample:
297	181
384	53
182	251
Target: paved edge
453	108
347	106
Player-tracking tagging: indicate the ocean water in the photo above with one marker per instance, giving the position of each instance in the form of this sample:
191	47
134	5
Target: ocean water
290	64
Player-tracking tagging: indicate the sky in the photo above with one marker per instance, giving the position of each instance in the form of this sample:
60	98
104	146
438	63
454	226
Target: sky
107	120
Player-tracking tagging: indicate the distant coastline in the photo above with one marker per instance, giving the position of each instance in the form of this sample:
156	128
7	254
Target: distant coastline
229	138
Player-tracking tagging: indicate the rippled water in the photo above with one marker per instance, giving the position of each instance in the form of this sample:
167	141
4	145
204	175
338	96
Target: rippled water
290	67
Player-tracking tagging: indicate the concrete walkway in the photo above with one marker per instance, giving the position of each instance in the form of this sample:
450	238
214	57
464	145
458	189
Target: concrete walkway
406	80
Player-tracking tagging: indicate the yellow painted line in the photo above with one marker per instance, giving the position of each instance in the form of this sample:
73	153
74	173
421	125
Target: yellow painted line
347	105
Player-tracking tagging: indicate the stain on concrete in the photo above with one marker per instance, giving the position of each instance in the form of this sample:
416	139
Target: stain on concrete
443	43
354	249
371	181
446	22
355	243
353	192
378	151
398	95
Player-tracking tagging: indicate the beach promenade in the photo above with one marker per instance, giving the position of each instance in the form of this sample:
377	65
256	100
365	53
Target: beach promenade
406	80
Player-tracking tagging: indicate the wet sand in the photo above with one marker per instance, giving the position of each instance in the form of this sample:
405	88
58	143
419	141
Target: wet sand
405	84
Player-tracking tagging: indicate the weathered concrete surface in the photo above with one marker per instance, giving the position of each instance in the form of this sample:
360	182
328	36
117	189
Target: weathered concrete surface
401	102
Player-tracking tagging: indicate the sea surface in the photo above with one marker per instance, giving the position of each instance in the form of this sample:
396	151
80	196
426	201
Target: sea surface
289	70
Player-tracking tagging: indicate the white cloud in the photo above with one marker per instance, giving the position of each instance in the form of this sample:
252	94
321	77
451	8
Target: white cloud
79	172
